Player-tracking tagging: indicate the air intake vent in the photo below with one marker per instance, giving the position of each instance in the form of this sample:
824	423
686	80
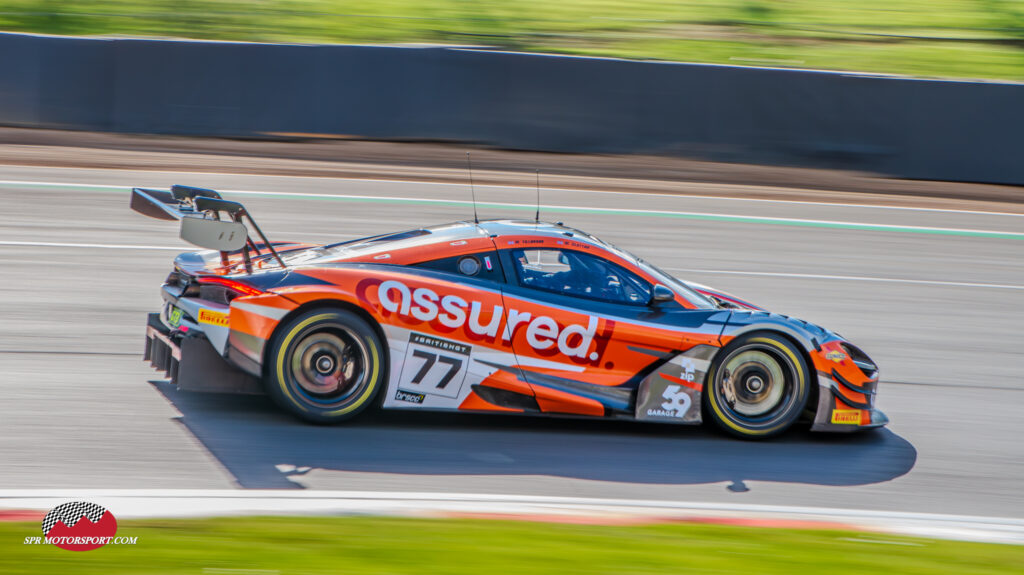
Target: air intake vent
216	293
861	360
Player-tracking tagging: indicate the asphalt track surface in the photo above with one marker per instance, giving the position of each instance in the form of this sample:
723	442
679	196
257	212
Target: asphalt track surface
935	297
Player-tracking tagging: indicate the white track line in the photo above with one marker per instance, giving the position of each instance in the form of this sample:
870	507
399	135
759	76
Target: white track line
205	503
848	278
684	270
182	248
552	190
101	246
707	215
613	211
66	184
275	494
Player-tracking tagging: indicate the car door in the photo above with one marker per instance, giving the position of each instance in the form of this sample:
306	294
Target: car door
585	331
444	322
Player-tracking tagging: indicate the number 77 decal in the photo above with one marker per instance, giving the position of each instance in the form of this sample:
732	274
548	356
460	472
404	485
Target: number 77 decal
421	369
454	363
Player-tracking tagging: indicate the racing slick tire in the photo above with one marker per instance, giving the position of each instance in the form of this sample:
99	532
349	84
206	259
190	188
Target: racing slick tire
757	386
325	366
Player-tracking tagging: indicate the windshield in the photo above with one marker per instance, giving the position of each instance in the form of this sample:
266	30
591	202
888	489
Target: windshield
680	287
698	300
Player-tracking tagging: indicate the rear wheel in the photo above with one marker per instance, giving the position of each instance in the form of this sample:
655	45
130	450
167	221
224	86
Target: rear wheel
758	386
325	366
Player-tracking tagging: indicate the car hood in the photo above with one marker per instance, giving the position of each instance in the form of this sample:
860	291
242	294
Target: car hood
743	320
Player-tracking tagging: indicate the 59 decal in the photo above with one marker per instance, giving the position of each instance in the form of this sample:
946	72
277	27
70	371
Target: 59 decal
434	366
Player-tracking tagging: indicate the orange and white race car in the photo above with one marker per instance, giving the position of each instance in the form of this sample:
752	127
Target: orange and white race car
491	316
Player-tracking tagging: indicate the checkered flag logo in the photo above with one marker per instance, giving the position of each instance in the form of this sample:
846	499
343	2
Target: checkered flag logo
71	513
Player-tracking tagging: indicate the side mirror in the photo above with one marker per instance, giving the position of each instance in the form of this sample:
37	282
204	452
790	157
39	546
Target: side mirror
661	293
220	235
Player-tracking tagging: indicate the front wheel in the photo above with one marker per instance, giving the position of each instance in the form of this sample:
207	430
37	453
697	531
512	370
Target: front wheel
757	386
325	366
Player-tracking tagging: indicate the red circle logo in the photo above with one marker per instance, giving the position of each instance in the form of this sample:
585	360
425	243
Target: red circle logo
79	526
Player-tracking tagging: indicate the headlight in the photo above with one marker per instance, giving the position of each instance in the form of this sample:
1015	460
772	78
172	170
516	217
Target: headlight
860	359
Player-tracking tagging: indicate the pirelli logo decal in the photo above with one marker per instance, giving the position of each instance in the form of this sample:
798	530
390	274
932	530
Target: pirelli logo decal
213	317
846	416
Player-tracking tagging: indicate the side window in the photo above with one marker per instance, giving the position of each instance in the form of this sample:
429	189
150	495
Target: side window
481	266
580	275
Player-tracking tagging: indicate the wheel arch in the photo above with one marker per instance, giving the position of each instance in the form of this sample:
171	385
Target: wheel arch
802	344
812	372
331	303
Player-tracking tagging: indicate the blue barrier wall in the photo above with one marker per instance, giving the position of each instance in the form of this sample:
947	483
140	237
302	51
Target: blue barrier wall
967	131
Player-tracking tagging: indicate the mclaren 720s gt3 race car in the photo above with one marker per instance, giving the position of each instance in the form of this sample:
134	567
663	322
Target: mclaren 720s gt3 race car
491	316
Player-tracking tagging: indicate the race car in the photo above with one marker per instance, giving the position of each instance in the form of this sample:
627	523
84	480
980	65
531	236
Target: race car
510	316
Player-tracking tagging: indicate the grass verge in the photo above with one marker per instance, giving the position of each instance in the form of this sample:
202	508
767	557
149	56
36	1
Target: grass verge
932	38
358	545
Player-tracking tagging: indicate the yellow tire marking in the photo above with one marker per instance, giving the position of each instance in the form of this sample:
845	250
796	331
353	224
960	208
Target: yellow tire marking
282	382
714	388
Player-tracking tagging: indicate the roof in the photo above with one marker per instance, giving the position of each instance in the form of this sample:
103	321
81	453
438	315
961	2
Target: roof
467	230
413	246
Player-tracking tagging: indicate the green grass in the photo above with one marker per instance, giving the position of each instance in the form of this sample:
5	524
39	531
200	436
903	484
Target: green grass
931	38
479	547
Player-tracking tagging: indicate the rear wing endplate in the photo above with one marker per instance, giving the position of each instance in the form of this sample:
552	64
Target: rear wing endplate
199	210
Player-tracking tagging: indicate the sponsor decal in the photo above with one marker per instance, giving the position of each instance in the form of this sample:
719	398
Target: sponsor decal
835	355
213	317
482	321
409	396
174	317
535	241
79	526
846	416
684	382
438	343
688	369
434	365
677	404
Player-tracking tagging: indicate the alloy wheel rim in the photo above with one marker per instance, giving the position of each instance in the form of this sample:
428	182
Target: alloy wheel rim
329	365
756	382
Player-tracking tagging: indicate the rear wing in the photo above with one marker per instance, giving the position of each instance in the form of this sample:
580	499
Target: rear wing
200	210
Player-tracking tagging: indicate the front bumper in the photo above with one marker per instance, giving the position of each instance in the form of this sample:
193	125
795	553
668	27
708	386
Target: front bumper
839	412
190	361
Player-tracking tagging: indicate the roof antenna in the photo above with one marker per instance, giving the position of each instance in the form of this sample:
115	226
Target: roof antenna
536	217
469	163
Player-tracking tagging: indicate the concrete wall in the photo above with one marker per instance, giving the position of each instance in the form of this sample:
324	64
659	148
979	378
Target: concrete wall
969	131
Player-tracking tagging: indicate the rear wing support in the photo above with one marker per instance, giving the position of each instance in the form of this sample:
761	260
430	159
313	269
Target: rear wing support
199	210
